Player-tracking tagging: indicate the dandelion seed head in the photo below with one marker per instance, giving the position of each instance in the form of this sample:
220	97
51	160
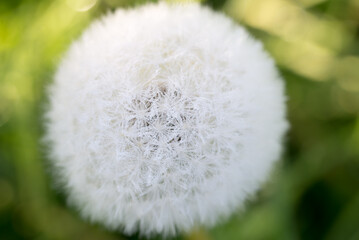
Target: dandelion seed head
164	117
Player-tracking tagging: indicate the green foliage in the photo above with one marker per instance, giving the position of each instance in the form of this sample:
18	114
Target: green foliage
314	192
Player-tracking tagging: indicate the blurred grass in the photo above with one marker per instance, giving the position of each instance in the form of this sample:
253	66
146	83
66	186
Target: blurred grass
314	194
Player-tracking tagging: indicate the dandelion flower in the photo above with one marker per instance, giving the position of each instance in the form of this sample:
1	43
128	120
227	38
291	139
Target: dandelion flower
164	117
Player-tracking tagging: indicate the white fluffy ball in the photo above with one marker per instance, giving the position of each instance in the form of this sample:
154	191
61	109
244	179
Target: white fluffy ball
164	117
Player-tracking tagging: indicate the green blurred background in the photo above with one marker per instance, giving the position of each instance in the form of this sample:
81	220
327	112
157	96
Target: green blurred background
314	193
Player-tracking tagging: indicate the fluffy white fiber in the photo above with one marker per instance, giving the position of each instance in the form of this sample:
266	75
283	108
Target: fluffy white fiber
164	117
